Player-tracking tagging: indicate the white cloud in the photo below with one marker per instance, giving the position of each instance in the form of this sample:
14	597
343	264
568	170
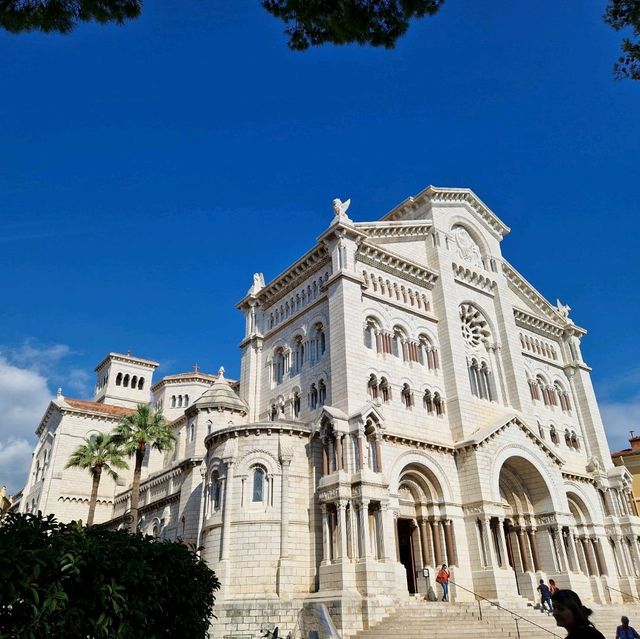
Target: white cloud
619	418
24	396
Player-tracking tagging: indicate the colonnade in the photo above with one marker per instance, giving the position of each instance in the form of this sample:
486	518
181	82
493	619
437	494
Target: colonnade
437	542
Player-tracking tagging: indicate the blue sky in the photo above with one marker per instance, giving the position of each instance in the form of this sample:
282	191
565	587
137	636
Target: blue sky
148	170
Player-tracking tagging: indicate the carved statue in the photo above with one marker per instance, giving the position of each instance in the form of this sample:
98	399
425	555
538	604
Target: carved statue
563	311
340	209
468	250
258	284
594	465
221	373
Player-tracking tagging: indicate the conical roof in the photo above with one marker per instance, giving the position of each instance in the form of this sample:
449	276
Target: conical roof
221	395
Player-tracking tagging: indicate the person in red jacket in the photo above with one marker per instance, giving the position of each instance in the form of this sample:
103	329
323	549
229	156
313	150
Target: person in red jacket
443	580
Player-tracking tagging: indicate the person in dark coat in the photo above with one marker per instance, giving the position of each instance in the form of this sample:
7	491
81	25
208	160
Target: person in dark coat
545	596
571	615
625	631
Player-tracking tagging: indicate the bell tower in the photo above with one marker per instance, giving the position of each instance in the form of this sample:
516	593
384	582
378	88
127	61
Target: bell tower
124	380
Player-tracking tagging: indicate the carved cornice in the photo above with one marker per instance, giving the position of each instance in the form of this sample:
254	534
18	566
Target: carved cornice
524	319
473	278
396	265
395	230
127	359
301	429
284	283
448	196
395	438
576	477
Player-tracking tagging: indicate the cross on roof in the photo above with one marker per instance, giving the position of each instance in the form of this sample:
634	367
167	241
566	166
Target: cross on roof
196	368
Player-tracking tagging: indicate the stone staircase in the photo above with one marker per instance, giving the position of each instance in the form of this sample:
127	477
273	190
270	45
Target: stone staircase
420	619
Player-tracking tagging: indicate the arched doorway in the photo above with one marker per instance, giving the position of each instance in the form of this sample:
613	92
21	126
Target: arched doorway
526	500
424	533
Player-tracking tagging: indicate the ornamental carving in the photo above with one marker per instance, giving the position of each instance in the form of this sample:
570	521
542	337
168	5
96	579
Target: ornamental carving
466	249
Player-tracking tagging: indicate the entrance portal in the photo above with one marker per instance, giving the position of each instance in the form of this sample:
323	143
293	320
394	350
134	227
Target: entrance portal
405	545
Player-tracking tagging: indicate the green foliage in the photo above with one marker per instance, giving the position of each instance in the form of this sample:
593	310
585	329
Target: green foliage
99	454
63	581
145	426
621	14
374	22
62	16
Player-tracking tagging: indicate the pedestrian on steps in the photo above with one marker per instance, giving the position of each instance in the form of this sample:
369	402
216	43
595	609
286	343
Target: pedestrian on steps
443	579
545	597
552	586
570	614
625	631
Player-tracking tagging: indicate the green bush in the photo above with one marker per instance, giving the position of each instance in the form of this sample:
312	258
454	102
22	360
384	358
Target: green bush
63	581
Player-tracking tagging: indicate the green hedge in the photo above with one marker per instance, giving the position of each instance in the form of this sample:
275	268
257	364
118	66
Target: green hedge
63	581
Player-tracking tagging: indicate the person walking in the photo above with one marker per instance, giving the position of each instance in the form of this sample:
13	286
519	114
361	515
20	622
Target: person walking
570	614
625	631
552	586
443	579
545	597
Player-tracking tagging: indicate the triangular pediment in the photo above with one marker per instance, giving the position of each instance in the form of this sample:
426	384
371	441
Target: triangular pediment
498	428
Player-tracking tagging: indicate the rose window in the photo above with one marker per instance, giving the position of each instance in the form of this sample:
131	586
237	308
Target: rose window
474	326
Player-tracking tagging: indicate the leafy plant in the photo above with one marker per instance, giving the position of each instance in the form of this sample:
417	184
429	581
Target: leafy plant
64	581
99	454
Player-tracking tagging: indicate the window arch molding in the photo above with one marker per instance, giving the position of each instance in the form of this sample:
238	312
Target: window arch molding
476	233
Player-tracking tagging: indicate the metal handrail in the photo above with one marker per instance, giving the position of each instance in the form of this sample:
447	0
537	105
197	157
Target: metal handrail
622	592
511	612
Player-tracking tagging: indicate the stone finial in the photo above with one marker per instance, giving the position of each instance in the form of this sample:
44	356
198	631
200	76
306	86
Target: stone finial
258	284
563	311
220	374
59	394
340	210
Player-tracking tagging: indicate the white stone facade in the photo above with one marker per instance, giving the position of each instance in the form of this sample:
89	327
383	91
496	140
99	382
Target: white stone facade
406	399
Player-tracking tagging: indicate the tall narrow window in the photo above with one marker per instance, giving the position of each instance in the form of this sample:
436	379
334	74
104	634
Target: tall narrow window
298	354
438	402
119	379
125	381
372	386
258	484
322	392
141	383
296	404
407	396
313	397
385	389
278	366
474	377
427	400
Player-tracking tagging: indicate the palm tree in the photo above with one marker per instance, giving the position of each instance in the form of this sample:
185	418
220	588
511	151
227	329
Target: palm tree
136	431
99	454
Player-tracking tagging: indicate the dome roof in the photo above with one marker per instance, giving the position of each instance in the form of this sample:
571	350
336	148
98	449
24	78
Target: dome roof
221	395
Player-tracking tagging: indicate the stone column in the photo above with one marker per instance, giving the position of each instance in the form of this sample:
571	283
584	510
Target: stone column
364	528
574	552
449	543
331	451
424	543
531	536
325	459
595	546
360	464
523	550
502	543
587	555
326	554
562	555
488	538
284	508
437	548
378	454
338	451
382	554
341	508
582	558
226	512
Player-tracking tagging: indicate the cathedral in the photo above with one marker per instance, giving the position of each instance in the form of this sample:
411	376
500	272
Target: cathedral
406	399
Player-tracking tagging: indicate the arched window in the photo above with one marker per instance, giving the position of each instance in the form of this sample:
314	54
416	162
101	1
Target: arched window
322	392
192	432
486	387
274	412
540	431
428	353
474	376
567	437
438	402
317	342
574	440
534	389
553	434
173	401
119	379
259	476
372	386
313	397
296	404
427	401
179	401
298	353
125	381
186	400
407	396
371	333
278	366
399	342
215	490
385	389
134	381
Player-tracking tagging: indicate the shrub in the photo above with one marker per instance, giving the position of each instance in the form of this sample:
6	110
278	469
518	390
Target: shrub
63	581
